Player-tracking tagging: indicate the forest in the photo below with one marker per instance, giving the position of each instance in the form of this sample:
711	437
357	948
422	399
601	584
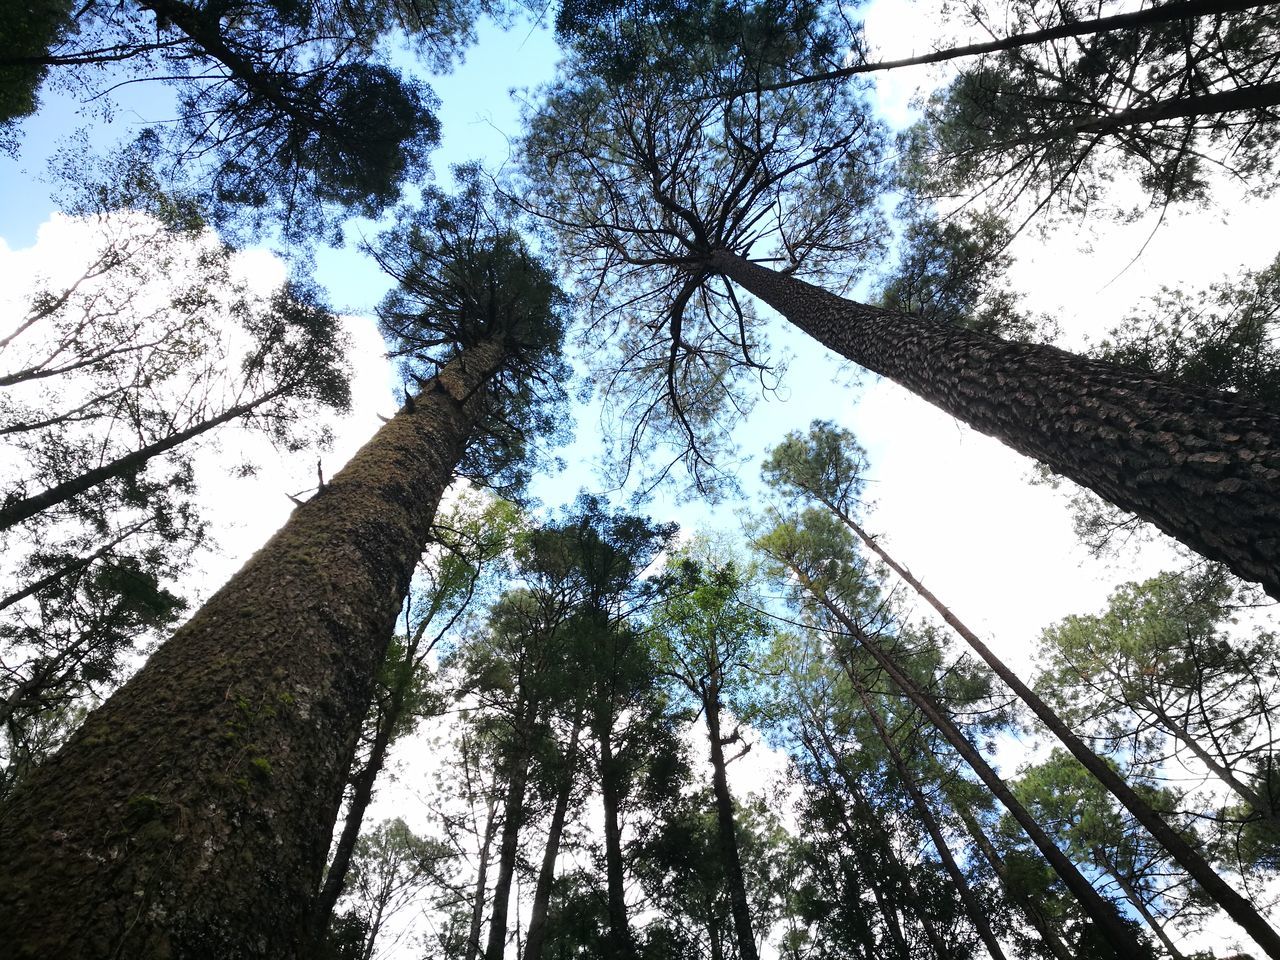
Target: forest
713	541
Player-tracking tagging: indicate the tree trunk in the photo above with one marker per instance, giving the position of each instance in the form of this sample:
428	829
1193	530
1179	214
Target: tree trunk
512	820
977	914
19	510
1039	922
190	815
1086	26
1112	929
1201	465
482	877
1135	898
1190	859
361	795
727	835
620	944
546	875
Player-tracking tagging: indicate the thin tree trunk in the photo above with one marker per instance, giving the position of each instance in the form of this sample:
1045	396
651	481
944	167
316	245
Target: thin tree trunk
620	943
190	815
512	821
19	510
1201	465
361	795
1137	19
1190	859
1135	898
1104	915
1039	922
546	875
482	878
1258	96
727	835
75	566
1218	769
977	915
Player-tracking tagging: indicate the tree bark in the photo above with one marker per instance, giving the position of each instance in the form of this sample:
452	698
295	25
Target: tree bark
1135	898
189	817
975	910
727	835
1200	465
1187	856
16	511
546	874
1104	915
620	943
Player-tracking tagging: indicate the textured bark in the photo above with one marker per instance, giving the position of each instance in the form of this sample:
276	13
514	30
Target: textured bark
1187	856
189	816
972	906
1201	465
621	945
546	874
727	835
19	510
1111	928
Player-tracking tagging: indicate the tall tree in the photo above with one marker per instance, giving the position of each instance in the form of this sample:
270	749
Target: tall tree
819	554
249	713
711	632
827	467
666	199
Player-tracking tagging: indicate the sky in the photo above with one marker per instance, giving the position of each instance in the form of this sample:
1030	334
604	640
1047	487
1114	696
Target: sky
955	506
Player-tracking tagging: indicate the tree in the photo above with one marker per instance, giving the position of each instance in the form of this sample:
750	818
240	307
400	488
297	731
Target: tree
471	537
285	110
826	467
1157	676
666	199
1054	121
249	713
829	581
711	632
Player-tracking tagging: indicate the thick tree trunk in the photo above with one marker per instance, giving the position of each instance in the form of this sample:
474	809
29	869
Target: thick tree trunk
975	910
1111	928
508	847
1189	858
1201	465
728	837
546	874
621	945
482	879
189	817
16	511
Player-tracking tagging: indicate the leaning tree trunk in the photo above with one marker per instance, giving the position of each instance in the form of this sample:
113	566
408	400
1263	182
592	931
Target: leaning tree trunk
15	512
1201	465
728	835
972	906
1105	917
1188	857
482	875
189	816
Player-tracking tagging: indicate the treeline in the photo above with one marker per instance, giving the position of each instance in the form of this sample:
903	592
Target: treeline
686	155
